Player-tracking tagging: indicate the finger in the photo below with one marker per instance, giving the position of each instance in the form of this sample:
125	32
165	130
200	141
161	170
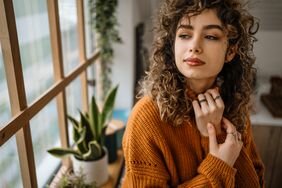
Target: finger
231	131
216	97
229	127
212	137
203	103
239	136
210	101
197	108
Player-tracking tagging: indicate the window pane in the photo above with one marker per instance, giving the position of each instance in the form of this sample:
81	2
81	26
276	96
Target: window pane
5	111
34	40
9	165
73	96
45	135
91	81
68	23
89	34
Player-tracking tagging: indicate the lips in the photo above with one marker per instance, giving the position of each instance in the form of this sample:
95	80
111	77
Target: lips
194	61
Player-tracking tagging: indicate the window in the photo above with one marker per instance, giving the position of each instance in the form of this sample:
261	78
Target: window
5	110
68	23
50	66
35	49
9	165
45	135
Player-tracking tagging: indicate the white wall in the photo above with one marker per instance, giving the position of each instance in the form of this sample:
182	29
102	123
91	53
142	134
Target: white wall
124	55
129	14
132	12
268	51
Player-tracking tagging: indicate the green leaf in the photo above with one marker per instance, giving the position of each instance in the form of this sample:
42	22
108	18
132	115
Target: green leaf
75	134
108	106
82	134
95	151
62	152
94	117
73	121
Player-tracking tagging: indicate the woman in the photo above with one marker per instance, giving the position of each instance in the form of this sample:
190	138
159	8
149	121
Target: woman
191	128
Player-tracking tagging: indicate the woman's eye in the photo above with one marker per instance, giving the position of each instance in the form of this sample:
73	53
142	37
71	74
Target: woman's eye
184	36
210	37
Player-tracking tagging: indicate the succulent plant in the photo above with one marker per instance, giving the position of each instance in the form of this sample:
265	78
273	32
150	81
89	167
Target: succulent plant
89	132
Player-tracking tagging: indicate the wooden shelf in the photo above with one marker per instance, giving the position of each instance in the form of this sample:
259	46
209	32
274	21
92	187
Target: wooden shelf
114	171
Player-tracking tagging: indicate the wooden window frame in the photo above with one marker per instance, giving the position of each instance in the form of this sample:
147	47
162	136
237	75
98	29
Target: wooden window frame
21	112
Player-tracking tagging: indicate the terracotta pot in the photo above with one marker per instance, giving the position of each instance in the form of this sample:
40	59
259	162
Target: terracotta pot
94	171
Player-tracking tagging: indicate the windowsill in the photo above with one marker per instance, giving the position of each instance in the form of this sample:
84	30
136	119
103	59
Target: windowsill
114	171
113	168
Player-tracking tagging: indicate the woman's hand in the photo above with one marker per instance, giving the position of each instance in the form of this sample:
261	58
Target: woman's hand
208	109
230	149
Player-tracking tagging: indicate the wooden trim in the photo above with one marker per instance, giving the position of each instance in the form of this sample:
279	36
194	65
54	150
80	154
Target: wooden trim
55	36
15	82
25	115
82	52
58	65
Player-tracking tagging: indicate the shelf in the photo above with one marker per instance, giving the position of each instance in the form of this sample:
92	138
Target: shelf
114	171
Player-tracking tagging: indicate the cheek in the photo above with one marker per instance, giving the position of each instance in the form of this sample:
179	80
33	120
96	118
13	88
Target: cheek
178	51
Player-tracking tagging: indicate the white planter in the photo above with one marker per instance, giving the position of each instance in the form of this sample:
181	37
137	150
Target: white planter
94	171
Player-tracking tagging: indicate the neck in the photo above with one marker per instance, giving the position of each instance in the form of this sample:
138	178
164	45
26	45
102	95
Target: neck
200	86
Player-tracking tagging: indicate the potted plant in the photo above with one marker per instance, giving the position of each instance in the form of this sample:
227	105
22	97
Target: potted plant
104	24
71	180
89	153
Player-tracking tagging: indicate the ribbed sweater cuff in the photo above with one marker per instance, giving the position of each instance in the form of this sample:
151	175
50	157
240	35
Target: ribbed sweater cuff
217	170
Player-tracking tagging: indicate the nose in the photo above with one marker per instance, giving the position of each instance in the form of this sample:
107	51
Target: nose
195	50
195	46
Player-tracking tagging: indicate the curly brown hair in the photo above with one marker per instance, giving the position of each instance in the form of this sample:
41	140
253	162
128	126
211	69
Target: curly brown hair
167	86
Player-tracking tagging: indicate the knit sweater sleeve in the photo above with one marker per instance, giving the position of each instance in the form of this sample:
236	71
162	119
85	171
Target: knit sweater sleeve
143	165
249	162
144	157
214	173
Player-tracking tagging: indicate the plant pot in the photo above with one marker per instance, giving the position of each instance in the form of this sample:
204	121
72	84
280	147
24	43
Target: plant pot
94	171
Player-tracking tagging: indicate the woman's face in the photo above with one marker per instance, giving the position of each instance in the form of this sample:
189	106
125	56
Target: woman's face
200	46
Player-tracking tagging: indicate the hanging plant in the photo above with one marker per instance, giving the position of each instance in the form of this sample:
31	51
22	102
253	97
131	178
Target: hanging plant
104	23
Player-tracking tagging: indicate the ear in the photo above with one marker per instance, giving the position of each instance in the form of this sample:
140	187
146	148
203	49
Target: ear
232	50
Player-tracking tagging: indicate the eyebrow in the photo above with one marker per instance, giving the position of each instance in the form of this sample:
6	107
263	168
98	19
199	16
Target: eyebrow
206	27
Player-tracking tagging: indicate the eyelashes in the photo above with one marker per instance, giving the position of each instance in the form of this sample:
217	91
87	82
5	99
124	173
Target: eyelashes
208	37
184	36
211	37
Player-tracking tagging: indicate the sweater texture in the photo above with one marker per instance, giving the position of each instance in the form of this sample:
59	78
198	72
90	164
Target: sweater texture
161	155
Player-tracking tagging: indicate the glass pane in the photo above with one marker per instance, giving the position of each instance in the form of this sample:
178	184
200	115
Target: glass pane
34	40
89	34
73	96
45	135
10	174
91	81
68	23
5	109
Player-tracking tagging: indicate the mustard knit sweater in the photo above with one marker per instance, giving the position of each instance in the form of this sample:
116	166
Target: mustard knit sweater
160	155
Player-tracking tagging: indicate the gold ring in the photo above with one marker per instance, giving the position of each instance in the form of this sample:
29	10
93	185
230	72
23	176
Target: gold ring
233	134
217	97
202	100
